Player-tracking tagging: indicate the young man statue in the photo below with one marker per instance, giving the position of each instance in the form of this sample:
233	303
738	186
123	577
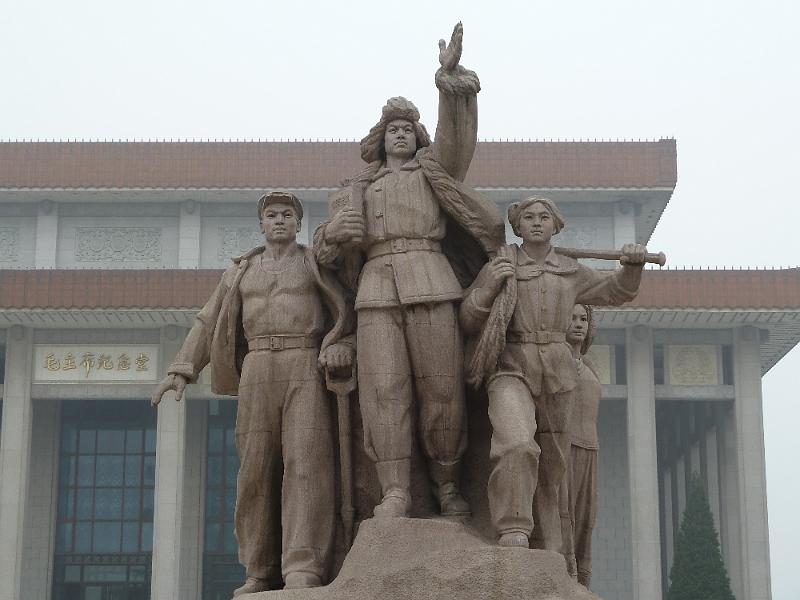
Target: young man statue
263	330
520	308
408	237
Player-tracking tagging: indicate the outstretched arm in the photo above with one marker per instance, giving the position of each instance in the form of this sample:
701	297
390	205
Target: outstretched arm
457	129
195	352
612	288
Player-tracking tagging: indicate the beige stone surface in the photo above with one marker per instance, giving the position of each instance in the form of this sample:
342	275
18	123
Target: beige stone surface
406	234
263	329
600	357
394	559
516	311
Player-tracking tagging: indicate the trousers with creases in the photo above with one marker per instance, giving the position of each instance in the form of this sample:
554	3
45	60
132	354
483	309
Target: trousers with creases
405	350
285	502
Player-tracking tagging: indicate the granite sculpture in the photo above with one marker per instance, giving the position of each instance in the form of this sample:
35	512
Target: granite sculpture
274	321
519	309
407	235
581	480
412	265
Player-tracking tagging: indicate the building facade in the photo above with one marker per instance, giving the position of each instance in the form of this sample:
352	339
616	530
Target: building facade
107	250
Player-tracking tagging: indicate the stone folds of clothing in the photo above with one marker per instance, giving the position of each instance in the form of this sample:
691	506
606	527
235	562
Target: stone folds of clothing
531	390
582	476
284	517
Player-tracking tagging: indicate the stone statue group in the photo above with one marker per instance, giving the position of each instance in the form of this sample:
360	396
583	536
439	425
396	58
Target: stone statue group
412	274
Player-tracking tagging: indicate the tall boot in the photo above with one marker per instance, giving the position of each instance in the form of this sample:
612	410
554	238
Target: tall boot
395	478
445	476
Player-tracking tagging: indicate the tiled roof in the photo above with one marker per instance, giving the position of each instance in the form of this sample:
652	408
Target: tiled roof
59	289
721	289
259	165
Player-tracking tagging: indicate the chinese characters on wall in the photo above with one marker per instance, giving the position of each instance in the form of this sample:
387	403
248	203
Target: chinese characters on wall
96	363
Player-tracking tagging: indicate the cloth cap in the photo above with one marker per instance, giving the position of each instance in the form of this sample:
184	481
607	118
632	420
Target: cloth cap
283	197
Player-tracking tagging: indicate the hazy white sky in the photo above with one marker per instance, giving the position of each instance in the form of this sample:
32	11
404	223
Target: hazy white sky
721	77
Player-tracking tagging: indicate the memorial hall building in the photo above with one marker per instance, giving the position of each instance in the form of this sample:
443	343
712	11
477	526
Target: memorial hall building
107	251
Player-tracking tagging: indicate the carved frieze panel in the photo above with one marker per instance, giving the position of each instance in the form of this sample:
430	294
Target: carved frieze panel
9	244
600	357
118	244
693	365
235	241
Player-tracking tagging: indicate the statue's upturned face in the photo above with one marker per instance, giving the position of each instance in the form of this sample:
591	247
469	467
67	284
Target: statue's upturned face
579	325
400	140
279	222
536	224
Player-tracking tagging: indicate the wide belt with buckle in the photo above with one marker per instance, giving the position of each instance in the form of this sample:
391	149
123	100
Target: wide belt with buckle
536	337
400	245
282	342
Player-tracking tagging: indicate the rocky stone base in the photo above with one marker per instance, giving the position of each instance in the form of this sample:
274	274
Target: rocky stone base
437	559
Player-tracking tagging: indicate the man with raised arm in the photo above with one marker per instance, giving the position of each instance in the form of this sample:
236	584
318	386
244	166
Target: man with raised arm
409	235
264	332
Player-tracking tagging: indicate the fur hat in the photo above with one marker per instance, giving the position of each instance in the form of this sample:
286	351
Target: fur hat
372	146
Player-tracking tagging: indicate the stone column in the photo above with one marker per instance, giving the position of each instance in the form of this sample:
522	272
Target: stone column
42	500
177	541
15	458
667	533
729	529
643	465
193	500
712	480
46	247
753	545
189	236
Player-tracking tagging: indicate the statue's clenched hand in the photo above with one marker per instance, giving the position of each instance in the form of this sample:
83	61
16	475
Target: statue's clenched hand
450	54
497	271
500	269
174	382
346	227
633	255
337	357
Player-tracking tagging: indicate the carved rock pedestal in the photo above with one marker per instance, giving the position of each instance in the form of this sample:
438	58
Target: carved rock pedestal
433	559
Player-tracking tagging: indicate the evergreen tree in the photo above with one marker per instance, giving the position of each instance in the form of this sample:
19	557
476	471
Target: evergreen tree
698	572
